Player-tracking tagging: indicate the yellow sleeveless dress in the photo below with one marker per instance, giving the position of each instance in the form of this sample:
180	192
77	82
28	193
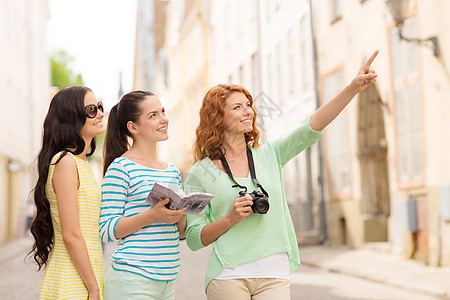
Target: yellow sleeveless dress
61	279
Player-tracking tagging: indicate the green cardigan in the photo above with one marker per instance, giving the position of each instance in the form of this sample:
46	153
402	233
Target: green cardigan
256	236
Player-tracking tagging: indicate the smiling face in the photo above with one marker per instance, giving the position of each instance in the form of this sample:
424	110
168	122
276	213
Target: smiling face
239	114
153	123
92	126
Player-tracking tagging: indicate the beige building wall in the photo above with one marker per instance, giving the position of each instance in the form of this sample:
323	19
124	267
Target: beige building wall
287	78
342	48
412	87
435	79
24	83
267	48
186	58
438	79
373	169
264	46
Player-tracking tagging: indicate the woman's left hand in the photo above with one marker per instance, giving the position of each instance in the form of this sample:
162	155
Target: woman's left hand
365	76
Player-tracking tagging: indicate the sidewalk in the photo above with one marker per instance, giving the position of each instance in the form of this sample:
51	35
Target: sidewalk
380	267
15	247
368	264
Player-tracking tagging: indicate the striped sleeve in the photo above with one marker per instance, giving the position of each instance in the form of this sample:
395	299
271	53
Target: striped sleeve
179	181
114	194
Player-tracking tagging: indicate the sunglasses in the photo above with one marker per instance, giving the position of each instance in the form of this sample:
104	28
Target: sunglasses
92	109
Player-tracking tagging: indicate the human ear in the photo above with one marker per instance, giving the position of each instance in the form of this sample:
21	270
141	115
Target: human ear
132	127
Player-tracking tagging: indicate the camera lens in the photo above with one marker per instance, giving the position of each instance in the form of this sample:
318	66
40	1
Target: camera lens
260	205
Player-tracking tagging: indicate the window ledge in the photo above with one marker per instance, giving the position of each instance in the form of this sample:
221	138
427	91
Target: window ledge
335	20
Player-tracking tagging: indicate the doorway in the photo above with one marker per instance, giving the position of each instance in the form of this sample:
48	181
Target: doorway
372	154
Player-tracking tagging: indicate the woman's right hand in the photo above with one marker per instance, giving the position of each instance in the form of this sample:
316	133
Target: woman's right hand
241	209
162	214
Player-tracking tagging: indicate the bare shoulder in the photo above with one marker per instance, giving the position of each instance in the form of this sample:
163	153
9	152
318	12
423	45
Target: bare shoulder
65	175
66	169
67	163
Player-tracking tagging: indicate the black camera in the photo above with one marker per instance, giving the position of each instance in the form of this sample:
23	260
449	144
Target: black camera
260	201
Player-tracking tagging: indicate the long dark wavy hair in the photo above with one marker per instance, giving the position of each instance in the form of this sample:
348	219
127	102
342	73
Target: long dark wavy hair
62	131
117	134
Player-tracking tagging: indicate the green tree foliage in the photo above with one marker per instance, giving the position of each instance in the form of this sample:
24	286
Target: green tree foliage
62	74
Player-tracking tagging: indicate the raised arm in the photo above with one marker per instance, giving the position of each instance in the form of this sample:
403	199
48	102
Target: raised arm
330	110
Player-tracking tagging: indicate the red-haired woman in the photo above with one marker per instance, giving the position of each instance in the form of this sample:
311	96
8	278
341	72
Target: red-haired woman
255	248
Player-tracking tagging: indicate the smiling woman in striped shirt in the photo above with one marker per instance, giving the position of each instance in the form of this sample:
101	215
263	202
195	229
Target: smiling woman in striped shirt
147	260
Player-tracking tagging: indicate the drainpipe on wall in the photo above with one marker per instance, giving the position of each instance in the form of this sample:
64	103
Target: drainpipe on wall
322	216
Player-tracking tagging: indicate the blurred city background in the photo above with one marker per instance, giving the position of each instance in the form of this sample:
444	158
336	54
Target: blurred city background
380	177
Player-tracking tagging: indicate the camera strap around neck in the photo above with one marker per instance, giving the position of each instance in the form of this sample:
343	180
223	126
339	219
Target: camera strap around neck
251	166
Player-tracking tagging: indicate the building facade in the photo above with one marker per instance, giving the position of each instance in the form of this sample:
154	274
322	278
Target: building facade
381	173
387	168
186	76
264	46
24	96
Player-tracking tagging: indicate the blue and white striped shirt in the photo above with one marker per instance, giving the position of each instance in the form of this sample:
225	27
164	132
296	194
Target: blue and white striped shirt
152	251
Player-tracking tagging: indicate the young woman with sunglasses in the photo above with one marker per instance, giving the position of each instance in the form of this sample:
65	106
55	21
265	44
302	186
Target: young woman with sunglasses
68	199
147	259
253	253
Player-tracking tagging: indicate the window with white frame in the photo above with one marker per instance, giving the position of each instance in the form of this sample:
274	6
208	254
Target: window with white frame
3	196
337	137
254	72
270	76
3	98
304	44
335	10
405	71
241	79
272	6
279	74
9	19
291	61
229	29
3	20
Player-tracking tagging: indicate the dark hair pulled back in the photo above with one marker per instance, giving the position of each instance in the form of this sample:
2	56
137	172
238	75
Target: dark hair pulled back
117	134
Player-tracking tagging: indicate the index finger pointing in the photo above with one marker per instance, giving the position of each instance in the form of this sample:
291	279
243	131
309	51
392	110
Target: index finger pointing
371	59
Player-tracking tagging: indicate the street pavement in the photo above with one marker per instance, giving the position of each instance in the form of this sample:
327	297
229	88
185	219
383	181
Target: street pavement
326	273
378	267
